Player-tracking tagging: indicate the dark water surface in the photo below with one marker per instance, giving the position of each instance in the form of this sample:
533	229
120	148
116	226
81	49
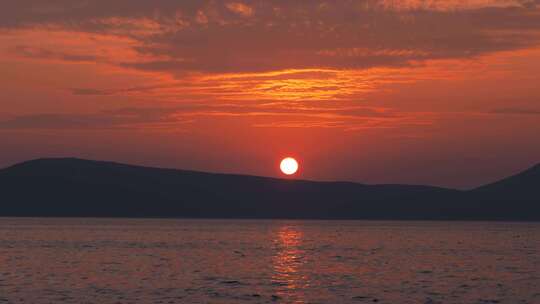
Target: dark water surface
256	261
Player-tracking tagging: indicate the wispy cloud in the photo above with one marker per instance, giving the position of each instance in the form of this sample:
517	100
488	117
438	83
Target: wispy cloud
288	35
516	111
261	58
240	8
292	115
109	119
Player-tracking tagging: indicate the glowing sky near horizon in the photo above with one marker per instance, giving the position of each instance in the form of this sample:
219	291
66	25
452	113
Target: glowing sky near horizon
377	91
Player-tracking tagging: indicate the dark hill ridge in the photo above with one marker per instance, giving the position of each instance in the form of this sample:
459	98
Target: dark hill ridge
75	187
525	186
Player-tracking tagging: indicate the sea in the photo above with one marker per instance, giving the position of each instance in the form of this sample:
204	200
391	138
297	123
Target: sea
88	260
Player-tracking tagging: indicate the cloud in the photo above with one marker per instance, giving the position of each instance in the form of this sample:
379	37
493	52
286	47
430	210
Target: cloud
110	119
258	58
240	8
293	115
90	92
58	121
43	53
516	111
216	37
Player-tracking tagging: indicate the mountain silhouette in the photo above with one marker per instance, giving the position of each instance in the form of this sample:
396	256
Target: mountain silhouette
76	187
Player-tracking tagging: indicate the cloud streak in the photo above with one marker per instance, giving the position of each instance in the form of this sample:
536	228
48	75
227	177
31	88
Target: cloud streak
261	36
516	111
271	115
279	59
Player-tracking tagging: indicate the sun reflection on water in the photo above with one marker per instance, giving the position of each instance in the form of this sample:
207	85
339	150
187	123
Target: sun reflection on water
287	263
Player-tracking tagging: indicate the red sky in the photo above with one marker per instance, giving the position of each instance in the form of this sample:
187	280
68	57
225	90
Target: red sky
418	92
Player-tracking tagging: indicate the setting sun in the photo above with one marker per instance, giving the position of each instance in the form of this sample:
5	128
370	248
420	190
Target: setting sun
289	166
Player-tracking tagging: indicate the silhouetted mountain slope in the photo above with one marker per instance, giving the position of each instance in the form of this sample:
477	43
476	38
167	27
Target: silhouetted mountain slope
74	187
525	185
517	196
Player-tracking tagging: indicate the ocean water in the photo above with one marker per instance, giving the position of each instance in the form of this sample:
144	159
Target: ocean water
260	261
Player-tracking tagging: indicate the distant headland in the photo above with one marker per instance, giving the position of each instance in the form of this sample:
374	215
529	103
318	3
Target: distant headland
84	188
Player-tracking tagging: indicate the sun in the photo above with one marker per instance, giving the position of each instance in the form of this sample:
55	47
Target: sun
289	166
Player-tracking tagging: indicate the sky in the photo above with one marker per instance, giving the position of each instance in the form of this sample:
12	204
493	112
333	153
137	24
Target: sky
436	92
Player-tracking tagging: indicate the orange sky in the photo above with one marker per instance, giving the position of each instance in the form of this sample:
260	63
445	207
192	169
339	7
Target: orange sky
376	91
